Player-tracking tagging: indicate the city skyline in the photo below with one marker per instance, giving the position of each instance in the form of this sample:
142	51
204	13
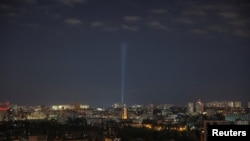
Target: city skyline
225	103
68	51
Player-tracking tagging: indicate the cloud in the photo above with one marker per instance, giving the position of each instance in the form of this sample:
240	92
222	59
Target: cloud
72	21
131	28
241	33
184	20
32	25
199	31
12	14
157	25
30	1
70	2
56	16
159	11
132	18
194	12
239	23
228	15
217	28
5	7
96	24
109	28
104	26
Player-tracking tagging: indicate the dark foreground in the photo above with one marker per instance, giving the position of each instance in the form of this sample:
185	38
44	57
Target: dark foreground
80	131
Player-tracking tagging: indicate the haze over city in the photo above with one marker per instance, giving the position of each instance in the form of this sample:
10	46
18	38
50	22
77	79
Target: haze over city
57	52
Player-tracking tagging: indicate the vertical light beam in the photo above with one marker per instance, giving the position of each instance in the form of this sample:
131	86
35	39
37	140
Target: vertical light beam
123	69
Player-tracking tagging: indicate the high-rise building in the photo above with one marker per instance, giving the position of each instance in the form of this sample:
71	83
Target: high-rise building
199	107
4	107
150	110
230	104
124	112
190	107
237	104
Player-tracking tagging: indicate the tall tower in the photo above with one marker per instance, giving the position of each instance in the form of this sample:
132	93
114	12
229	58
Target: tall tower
199	107
123	68
124	112
190	108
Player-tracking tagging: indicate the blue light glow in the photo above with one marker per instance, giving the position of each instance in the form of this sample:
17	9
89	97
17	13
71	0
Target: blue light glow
123	68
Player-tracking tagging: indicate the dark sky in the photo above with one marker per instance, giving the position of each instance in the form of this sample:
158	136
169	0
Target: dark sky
177	51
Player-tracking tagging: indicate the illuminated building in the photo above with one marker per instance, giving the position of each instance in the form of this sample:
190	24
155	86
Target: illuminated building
190	108
76	106
63	107
150	110
124	112
117	105
4	107
83	106
220	104
199	106
36	115
37	138
237	104
230	104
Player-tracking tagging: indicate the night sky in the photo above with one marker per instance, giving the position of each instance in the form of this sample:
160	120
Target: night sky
173	51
